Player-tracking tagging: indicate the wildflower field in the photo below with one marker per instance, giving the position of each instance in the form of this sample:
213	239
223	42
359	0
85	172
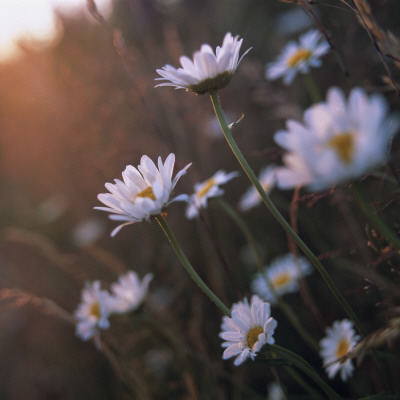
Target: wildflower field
199	200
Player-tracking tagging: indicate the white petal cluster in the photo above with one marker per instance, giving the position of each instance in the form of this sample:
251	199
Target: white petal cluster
251	197
340	140
97	305
144	192
339	340
249	329
298	57
128	293
93	312
207	71
280	277
205	190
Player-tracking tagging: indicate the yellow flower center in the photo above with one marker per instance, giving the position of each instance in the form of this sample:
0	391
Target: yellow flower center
208	184
343	144
95	310
300	55
281	280
148	192
342	348
252	336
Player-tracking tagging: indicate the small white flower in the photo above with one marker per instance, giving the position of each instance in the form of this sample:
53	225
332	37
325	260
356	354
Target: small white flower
251	197
205	190
292	21
275	392
339	340
128	293
249	329
208	71
145	191
339	141
93	311
298	57
87	231
283	274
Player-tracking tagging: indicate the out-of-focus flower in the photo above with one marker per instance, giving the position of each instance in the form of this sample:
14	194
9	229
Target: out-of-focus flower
128	293
275	392
53	208
339	141
87	231
249	329
298	57
339	340
212	128
145	191
205	190
207	72
292	21
283	274
93	311
251	197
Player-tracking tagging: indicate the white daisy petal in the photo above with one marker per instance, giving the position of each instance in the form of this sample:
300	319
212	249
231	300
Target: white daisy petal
340	339
208	71
298	57
128	293
145	191
280	277
206	190
249	329
93	311
340	140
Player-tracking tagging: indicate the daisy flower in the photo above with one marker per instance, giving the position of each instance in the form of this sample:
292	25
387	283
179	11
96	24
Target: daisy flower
207	72
205	190
339	340
128	293
249	329
298	57
283	274
144	192
340	140
275	392
251	197
93	311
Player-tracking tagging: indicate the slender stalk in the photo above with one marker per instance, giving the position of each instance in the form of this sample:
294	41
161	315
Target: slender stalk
185	262
290	315
278	216
374	217
312	88
245	230
308	388
303	365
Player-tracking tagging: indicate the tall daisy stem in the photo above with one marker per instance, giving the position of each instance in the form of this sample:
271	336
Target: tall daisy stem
278	216
185	262
304	366
374	217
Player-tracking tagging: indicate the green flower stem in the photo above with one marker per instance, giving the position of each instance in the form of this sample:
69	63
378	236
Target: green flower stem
308	388
303	365
290	315
278	216
245	230
185	262
312	88
374	217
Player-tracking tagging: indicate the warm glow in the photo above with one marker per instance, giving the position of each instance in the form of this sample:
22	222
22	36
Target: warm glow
35	23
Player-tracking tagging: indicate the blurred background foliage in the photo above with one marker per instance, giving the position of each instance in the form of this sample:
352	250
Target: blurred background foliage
72	118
